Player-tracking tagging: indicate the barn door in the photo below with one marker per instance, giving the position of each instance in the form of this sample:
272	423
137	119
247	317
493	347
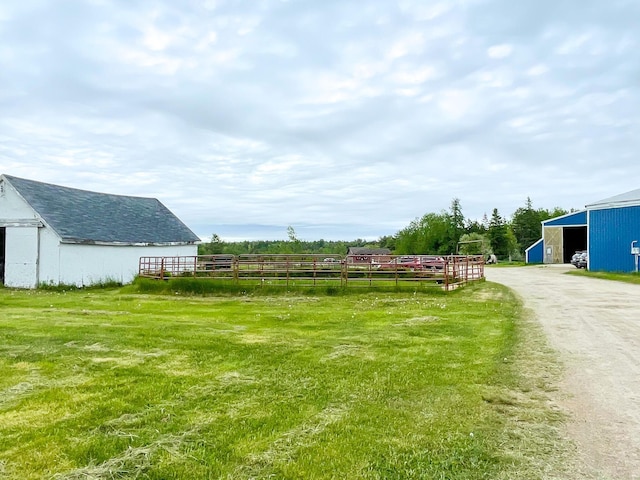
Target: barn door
553	245
21	257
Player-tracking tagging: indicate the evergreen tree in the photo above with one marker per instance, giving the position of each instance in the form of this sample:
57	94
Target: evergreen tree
527	226
456	225
214	247
498	235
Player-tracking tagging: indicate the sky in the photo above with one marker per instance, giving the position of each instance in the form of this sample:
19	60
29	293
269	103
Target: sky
343	119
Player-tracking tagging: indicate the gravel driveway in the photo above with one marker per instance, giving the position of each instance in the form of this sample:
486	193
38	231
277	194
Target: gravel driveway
595	326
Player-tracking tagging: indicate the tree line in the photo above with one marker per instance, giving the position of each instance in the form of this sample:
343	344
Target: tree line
444	233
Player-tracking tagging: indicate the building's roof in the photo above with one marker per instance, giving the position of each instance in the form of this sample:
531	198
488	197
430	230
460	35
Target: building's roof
628	199
368	251
81	216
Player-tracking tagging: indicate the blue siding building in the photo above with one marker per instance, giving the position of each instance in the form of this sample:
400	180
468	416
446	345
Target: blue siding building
561	238
606	229
614	223
535	253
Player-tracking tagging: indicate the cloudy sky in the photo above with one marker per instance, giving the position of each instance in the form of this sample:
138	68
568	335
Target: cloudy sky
341	118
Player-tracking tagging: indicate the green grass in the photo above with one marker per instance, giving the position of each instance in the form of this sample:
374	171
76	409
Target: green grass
369	385
616	276
208	286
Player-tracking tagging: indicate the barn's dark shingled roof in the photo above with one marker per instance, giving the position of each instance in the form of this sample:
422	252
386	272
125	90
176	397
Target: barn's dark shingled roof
87	217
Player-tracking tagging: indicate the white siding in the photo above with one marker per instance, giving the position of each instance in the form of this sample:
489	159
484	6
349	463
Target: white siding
49	257
13	207
89	264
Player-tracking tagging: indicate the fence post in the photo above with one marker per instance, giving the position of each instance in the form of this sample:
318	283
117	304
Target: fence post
344	275
287	268
235	266
446	275
466	270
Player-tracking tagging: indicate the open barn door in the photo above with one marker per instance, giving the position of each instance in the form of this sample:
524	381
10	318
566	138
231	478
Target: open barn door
574	240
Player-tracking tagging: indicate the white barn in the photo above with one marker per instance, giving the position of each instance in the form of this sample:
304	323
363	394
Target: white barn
55	235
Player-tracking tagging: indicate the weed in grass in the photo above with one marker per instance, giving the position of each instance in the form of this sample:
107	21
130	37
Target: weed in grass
64	287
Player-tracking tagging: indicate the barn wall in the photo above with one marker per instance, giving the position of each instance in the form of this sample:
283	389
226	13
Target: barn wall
535	253
611	232
89	264
12	206
49	257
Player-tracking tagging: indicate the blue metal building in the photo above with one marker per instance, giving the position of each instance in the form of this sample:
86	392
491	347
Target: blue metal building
609	230
561	238
535	253
614	225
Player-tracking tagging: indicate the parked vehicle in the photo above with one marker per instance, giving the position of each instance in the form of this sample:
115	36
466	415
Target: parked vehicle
331	260
421	262
579	259
432	262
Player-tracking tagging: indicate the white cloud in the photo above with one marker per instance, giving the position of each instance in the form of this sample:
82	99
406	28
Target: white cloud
156	40
425	11
411	43
499	51
494	78
324	114
537	70
414	76
455	104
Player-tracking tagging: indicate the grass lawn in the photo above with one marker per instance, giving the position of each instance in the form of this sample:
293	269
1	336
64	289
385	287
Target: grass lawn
616	276
109	384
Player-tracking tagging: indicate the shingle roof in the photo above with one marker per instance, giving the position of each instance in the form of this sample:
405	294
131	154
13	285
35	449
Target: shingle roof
624	199
368	251
88	217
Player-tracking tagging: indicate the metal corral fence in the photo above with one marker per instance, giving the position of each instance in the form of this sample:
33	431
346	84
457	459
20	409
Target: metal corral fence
447	272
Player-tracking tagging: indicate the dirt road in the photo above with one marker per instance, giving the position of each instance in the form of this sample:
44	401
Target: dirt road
595	326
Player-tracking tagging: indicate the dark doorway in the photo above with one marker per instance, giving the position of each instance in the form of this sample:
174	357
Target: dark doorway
3	242
574	239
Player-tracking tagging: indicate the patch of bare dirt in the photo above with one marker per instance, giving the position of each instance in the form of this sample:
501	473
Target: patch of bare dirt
595	326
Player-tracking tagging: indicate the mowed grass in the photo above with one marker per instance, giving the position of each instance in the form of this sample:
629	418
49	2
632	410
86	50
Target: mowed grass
630	277
115	384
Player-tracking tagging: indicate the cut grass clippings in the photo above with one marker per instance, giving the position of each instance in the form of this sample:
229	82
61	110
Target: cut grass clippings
371	385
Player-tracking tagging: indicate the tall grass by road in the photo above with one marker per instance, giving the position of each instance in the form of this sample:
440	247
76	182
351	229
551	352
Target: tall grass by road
109	384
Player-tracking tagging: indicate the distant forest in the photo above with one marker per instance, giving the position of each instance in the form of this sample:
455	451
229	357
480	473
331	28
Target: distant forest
444	233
